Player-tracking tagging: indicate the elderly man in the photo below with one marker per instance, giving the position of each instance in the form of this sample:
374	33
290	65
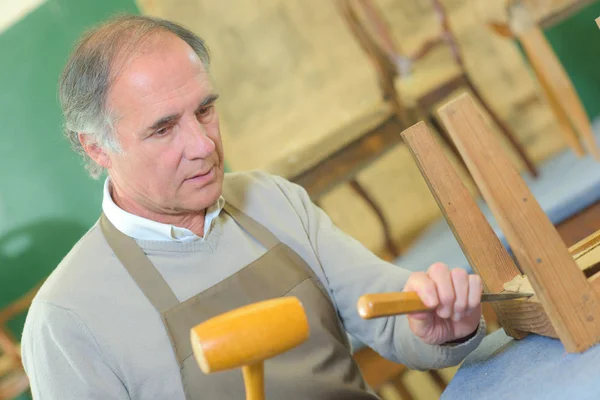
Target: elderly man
179	242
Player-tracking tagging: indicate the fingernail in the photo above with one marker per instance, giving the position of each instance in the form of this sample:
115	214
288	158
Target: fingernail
457	316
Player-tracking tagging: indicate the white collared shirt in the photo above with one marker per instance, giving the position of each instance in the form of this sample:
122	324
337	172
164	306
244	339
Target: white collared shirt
145	229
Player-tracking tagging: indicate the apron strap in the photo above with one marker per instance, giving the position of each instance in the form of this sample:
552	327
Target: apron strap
254	228
139	267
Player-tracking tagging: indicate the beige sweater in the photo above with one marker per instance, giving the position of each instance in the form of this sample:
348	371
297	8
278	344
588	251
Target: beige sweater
91	333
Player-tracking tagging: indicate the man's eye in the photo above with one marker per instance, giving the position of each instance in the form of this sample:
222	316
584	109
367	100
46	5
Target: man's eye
204	111
161	131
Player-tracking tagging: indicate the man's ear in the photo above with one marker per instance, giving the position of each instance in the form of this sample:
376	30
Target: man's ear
93	150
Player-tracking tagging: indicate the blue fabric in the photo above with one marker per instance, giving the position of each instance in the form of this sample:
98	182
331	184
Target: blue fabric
533	368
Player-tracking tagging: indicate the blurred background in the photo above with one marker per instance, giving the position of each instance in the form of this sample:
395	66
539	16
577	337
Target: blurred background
313	90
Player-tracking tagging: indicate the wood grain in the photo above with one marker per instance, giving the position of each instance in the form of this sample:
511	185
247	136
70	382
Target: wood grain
586	254
585	245
530	315
482	248
527	316
571	304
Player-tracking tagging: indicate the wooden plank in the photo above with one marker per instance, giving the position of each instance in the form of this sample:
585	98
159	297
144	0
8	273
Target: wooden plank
529	315
297	159
477	239
347	161
586	254
585	245
571	304
559	88
377	370
580	225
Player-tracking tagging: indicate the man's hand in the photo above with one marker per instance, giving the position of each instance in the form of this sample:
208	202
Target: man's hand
456	299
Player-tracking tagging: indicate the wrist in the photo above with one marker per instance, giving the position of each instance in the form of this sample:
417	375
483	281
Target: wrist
464	338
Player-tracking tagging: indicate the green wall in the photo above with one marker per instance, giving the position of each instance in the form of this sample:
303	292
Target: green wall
46	199
576	41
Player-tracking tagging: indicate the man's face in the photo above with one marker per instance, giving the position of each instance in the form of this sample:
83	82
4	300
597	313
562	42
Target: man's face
168	128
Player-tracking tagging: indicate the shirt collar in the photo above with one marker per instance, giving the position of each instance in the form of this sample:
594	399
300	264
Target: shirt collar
145	229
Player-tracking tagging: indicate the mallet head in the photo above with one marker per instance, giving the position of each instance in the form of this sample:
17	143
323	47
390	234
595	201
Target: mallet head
249	334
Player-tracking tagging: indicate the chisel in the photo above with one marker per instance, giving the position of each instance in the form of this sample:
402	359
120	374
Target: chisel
376	305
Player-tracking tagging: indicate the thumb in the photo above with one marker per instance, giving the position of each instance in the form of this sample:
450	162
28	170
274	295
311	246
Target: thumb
420	323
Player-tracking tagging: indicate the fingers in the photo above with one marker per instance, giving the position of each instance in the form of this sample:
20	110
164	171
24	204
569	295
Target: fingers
421	283
475	289
453	294
460	281
440	275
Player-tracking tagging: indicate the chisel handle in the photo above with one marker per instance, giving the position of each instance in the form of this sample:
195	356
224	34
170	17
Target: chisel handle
376	305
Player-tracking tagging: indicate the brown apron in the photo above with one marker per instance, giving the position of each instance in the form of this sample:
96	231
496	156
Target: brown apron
321	368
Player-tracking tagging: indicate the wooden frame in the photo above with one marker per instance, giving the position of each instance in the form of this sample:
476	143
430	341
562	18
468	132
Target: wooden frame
567	302
373	35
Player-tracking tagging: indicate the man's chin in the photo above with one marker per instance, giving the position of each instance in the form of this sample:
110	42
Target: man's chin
207	196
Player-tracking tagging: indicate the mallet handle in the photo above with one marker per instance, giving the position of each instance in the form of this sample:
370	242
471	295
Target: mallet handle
254	381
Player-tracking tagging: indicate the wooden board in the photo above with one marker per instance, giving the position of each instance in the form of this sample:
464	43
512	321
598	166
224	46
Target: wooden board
482	248
476	238
571	304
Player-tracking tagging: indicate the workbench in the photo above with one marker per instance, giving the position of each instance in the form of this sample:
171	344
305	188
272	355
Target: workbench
536	367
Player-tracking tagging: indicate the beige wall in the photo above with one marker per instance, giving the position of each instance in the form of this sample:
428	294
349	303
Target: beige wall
289	72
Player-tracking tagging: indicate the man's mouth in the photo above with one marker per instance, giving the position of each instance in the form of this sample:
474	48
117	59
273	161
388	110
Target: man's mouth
203	175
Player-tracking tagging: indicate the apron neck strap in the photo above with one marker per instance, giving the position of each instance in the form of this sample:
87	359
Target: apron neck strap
145	274
254	228
139	267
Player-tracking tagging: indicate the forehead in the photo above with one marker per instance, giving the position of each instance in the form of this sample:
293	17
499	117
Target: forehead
164	68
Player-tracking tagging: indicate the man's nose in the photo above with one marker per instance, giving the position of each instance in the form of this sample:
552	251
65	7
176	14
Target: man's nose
198	143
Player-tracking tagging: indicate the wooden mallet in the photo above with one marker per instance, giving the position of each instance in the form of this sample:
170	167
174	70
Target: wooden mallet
247	336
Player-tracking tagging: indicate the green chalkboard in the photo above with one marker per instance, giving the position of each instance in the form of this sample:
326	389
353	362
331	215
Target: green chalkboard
47	201
576	41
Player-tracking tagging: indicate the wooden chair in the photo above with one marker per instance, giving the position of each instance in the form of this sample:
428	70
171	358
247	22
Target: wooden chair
356	145
566	303
378	372
552	77
421	92
13	380
344	152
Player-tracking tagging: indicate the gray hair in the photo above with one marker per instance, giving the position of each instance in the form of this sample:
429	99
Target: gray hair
91	69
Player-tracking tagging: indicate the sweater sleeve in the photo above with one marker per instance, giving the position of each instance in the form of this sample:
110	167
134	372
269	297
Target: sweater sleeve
62	359
351	270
